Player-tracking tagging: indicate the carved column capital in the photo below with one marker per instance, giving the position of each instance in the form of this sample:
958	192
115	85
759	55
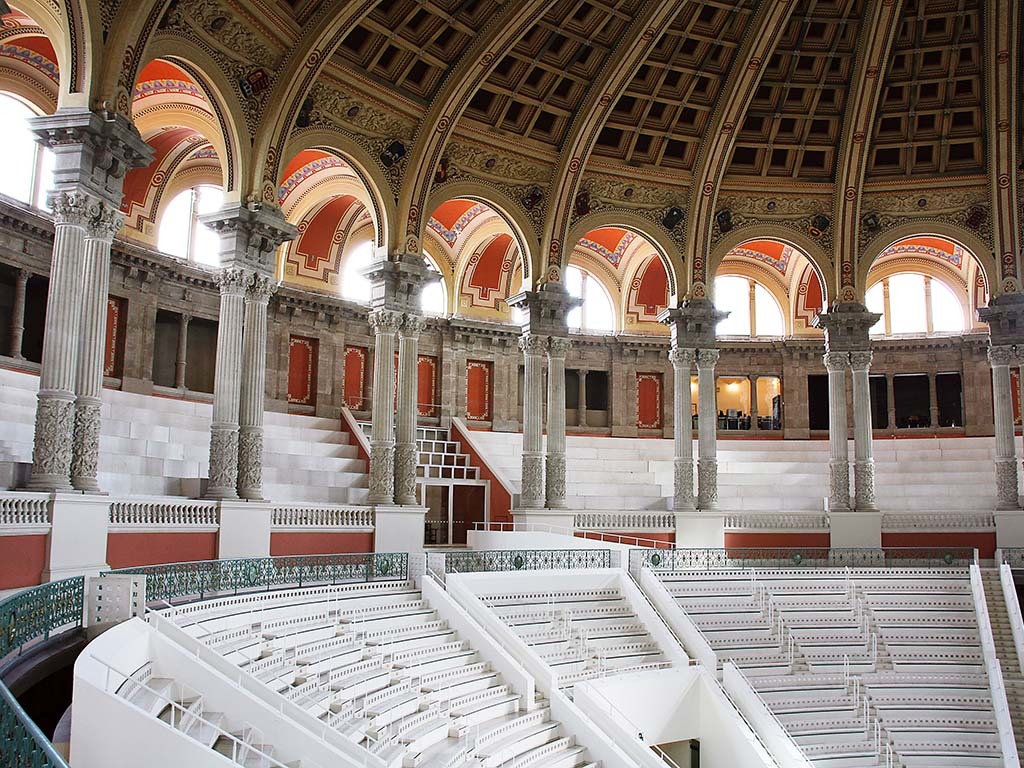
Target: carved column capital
104	222
861	361
261	288
412	327
233	281
681	358
533	345
385	320
72	208
558	346
836	361
1003	354
707	358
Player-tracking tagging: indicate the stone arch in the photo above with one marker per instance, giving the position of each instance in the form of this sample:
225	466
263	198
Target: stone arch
381	206
966	239
761	231
68	37
615	217
508	209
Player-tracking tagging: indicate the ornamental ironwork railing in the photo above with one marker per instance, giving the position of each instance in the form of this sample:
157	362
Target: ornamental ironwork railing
806	557
526	560
1012	556
27	618
198	580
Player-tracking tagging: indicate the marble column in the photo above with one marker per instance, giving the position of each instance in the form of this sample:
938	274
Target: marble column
554	476
385	324
682	477
18	314
532	494
55	412
406	453
707	430
890	388
92	344
864	462
181	362
838	440
933	401
227	385
253	389
581	405
752	384
1001	357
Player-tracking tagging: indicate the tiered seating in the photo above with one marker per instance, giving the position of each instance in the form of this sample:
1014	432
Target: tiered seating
375	662
851	661
580	634
158	446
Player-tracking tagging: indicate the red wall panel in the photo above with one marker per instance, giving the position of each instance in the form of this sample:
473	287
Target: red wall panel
426	386
985	543
22	559
781	540
478	390
355	378
320	543
127	549
303	357
648	400
113	355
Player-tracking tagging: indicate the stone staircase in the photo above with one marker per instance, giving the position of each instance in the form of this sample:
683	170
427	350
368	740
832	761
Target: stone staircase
1006	651
439	456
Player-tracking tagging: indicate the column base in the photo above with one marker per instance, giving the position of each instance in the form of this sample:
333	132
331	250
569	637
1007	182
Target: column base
244	529
77	544
398	528
1009	528
700	531
555	518
855	529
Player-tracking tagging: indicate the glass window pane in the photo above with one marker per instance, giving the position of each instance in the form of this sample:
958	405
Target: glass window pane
947	312
19	150
205	242
768	313
906	301
874	300
175	225
732	295
354	285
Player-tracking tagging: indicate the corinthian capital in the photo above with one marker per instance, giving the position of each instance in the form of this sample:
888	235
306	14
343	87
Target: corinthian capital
558	346
385	320
836	361
413	326
233	281
706	358
261	288
105	221
681	358
72	208
861	361
533	345
1001	355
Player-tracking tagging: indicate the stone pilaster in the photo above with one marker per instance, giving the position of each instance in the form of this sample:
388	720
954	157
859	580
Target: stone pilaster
181	361
253	389
18	314
531	495
707	430
406	454
55	411
99	235
227	385
864	462
554	476
682	465
1001	357
838	440
385	324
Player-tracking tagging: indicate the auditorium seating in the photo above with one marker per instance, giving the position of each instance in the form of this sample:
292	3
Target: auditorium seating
376	663
855	662
159	446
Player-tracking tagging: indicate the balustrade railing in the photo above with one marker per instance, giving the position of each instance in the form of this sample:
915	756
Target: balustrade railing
297	516
475	561
626	521
27	618
198	580
172	513
24	509
806	557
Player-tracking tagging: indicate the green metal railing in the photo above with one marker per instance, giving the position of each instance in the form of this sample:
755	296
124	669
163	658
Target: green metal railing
27	618
806	557
201	579
1012	556
525	560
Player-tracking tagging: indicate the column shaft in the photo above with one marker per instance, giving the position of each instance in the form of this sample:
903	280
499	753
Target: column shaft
18	314
181	362
531	495
1006	462
554	477
385	324
707	430
406	453
682	364
55	411
253	389
581	406
227	386
838	439
92	345
864	462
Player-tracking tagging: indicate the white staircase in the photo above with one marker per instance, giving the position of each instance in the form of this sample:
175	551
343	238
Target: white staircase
158	446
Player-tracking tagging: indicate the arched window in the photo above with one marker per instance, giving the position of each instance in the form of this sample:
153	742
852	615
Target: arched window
596	313
355	286
433	299
182	234
914	303
28	167
753	310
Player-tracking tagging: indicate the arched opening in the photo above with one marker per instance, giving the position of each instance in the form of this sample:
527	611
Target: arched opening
323	195
597	313
28	166
181	232
753	309
434	298
925	285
